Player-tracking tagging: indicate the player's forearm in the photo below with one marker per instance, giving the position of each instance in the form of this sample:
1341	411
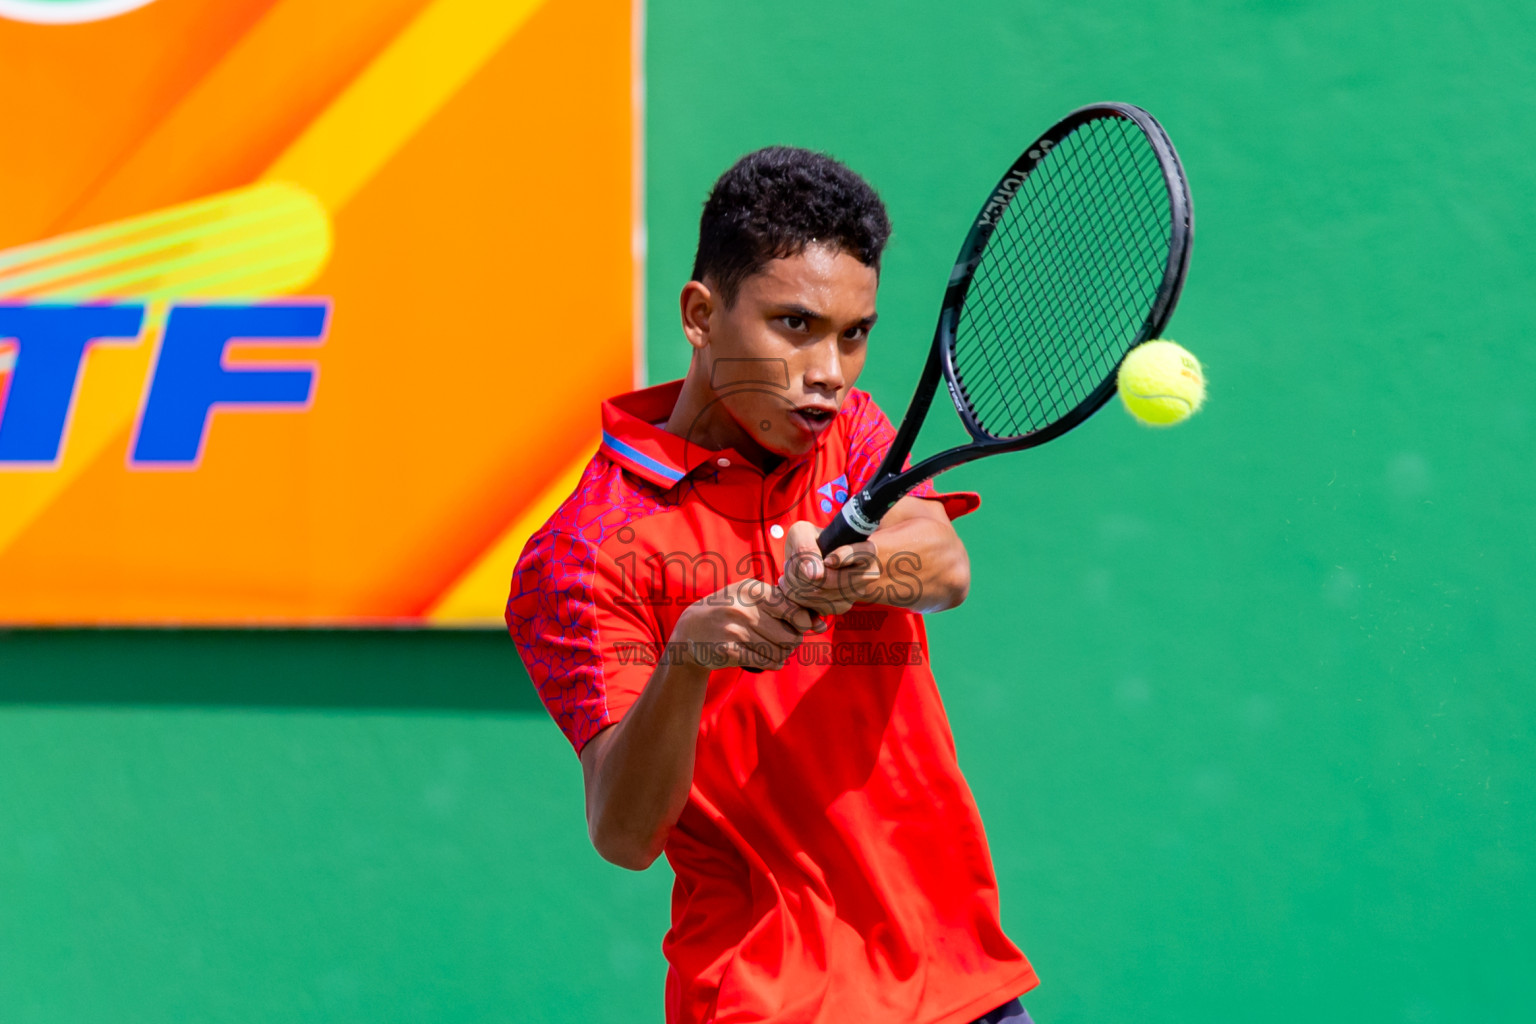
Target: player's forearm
924	566
644	769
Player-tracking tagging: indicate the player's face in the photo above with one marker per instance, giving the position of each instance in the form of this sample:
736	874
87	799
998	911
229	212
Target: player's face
810	314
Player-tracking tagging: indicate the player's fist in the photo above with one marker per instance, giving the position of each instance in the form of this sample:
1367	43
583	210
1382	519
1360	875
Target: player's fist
750	624
830	584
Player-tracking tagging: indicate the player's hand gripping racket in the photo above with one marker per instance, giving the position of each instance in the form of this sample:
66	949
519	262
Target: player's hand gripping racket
1077	256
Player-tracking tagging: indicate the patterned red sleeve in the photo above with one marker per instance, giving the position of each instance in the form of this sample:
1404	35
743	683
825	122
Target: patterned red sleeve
870	436
588	656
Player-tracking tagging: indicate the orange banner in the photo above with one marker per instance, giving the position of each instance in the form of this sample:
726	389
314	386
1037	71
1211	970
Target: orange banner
305	309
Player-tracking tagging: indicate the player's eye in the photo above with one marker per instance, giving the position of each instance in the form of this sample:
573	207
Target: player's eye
795	323
858	333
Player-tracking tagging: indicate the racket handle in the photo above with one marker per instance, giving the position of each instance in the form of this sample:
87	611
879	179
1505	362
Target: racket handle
851	524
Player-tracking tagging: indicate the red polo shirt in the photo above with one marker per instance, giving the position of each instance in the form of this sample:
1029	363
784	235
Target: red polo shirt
831	865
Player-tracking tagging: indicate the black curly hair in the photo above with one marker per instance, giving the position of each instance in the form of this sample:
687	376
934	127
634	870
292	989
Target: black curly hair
773	203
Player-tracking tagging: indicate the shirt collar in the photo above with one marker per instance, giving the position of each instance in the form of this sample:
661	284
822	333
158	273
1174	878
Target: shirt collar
632	438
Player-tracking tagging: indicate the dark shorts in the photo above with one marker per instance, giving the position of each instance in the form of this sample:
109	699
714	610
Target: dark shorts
1011	1013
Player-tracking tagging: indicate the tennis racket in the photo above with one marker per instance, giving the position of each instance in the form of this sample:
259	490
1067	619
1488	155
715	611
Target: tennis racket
1077	256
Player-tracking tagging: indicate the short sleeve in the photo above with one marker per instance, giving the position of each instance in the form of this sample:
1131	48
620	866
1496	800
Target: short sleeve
588	653
870	436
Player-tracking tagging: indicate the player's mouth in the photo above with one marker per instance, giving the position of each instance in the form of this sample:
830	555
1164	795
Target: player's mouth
814	418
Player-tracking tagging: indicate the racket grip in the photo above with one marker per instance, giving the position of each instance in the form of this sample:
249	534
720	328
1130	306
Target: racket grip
850	525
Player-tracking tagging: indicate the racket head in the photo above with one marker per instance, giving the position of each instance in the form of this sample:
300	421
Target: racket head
1078	255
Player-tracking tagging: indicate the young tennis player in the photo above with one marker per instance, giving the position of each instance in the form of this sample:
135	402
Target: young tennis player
763	716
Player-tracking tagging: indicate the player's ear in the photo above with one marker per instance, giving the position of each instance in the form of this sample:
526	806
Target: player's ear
697	305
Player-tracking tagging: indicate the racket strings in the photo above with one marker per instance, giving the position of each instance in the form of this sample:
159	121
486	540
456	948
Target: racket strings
1077	292
1081	299
1066	281
1101	178
1076	367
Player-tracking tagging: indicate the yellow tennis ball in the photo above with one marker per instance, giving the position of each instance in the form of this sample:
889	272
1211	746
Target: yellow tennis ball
1161	383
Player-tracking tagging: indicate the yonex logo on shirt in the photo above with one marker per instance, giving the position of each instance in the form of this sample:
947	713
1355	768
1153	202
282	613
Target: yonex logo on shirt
833	494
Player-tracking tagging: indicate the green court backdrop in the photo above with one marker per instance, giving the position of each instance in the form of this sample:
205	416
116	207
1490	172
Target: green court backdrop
1247	705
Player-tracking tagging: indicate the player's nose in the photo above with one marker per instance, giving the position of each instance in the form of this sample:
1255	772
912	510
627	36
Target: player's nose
824	367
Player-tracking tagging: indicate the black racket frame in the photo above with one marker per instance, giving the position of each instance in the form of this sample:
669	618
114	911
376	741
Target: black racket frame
862	512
